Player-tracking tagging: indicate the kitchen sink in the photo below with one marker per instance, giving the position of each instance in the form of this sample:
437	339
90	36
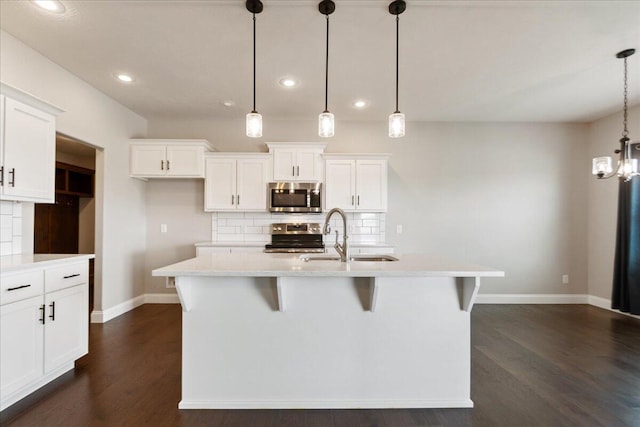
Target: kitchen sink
375	258
370	258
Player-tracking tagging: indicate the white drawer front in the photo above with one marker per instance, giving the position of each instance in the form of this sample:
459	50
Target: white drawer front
19	286
66	275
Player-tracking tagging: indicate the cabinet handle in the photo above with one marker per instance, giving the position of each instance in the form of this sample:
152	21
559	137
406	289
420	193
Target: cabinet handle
41	314
12	181
232	198
238	200
52	316
71	275
18	287
293	171
168	164
352	201
358	200
161	165
1	175
298	169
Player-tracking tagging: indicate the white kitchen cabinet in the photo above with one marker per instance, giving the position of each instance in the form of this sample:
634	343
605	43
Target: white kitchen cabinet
66	328
168	158
27	147
356	184
297	161
44	325
21	345
236	182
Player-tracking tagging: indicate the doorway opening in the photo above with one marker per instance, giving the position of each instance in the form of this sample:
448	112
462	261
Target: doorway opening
68	225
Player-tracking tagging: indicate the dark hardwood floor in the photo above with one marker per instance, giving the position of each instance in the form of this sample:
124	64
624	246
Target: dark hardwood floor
532	365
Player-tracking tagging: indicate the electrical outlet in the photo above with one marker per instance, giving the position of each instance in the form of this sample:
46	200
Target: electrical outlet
163	228
565	279
399	229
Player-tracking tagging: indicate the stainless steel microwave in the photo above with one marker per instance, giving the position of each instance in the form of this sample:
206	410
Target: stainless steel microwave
295	197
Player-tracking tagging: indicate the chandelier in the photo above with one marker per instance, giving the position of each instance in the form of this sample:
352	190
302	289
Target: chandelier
627	166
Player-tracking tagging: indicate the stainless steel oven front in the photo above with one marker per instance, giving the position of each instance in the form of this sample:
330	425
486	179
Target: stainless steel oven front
295	197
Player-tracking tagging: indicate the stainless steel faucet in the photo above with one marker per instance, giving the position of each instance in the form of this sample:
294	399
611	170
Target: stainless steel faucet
342	249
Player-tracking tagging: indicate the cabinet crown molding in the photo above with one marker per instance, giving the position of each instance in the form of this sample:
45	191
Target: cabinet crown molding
295	145
29	99
168	141
356	156
236	155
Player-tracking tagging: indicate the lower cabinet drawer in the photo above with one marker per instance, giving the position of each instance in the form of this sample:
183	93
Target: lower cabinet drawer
19	286
66	275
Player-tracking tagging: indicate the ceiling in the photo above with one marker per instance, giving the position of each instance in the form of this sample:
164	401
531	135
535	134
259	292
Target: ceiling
459	60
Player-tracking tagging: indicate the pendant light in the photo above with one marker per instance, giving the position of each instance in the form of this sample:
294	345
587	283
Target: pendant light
326	125
627	166
396	120
254	119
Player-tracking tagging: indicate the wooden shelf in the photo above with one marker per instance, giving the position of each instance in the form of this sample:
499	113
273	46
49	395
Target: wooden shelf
74	180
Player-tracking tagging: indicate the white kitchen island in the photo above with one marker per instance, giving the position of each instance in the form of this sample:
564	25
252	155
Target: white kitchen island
274	331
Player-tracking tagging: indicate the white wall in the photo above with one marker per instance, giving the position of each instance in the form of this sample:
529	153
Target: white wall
510	196
92	117
604	136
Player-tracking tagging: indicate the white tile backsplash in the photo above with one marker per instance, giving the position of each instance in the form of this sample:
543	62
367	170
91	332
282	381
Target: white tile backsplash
254	226
10	227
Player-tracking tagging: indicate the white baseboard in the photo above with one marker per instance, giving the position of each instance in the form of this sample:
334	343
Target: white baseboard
321	404
161	299
606	304
104	316
532	299
98	316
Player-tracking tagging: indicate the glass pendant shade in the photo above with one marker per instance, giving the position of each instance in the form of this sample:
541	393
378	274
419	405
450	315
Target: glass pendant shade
325	124
396	125
630	167
602	166
254	125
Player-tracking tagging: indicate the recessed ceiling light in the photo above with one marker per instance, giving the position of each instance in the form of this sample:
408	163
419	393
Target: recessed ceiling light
228	103
360	103
50	5
288	82
125	78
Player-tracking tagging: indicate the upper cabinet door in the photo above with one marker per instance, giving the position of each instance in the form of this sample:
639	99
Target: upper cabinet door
307	165
168	158
340	184
297	161
220	184
148	160
371	185
29	153
185	161
284	165
252	184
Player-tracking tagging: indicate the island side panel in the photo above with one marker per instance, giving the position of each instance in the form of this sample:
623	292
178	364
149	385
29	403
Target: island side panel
326	350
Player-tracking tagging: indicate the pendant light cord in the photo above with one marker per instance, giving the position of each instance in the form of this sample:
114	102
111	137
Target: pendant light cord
397	57
254	63
625	132
326	73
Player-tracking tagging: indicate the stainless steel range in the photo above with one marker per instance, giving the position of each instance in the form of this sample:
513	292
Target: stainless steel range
296	238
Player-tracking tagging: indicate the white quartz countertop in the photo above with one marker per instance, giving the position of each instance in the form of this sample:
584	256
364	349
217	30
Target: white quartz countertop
286	265
24	261
261	244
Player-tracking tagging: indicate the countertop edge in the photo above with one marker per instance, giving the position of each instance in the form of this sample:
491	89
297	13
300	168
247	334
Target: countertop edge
18	262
